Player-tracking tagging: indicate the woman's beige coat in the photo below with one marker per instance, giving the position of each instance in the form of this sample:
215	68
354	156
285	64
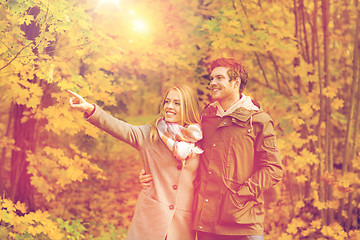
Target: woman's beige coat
164	209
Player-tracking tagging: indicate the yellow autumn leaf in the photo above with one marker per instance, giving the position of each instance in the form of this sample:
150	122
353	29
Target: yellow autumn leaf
306	109
28	219
319	205
307	232
19	225
21	207
74	173
285	236
294	225
299	205
301	179
41	185
297	122
6	216
316	224
337	103
33	230
330	92
8	204
313	137
309	157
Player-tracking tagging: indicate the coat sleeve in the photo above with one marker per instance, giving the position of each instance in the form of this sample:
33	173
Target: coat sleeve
268	170
132	135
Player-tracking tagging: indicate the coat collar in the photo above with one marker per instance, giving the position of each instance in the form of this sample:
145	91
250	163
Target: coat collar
245	110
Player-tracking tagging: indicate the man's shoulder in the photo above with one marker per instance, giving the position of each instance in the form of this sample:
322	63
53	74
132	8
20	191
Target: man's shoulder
262	116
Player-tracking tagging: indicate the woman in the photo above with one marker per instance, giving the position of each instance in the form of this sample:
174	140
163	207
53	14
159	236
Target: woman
169	154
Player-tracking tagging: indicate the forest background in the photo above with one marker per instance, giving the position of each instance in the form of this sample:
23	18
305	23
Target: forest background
61	178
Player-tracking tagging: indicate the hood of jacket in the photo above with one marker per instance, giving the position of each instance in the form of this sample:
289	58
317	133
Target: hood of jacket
245	111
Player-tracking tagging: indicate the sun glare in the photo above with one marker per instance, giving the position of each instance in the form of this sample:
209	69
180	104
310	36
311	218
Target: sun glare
140	26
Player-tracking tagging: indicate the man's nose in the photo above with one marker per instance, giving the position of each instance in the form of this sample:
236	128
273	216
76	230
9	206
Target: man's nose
212	81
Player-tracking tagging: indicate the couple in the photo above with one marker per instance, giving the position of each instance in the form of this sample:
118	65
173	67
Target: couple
207	181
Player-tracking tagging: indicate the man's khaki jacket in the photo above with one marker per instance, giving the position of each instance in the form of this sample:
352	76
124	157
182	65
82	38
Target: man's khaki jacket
241	159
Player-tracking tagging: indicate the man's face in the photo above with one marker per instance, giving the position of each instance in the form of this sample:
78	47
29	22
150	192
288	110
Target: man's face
221	87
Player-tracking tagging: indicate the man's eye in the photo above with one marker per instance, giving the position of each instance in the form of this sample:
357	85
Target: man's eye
177	103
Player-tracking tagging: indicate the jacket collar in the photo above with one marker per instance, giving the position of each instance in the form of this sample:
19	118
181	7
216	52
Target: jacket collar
241	110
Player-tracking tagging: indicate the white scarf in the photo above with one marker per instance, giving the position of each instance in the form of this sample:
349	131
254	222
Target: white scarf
180	140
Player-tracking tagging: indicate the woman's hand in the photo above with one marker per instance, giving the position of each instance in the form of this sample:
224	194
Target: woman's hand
145	179
77	102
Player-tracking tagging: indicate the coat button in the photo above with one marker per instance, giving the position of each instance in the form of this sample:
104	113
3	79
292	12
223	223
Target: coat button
179	167
249	130
171	207
175	187
214	145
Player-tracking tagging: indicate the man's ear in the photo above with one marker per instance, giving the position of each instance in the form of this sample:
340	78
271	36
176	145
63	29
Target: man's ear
238	82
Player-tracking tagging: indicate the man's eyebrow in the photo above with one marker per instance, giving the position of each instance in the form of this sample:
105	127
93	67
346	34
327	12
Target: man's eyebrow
217	75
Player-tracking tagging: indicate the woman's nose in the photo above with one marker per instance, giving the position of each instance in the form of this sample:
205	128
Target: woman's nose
170	105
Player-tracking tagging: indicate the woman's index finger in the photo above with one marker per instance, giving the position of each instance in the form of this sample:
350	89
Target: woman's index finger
72	93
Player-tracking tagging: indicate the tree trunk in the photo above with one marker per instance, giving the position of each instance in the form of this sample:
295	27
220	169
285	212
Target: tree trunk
24	139
325	20
23	134
357	115
3	154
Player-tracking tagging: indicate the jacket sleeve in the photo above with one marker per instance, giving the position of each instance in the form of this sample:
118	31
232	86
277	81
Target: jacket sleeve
132	135
268	167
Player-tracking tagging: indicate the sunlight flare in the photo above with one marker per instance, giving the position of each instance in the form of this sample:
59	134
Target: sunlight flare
140	26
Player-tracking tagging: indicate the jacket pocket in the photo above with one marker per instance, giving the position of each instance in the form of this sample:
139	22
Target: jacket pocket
270	143
236	209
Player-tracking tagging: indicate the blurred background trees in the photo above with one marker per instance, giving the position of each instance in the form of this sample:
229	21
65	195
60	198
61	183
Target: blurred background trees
59	176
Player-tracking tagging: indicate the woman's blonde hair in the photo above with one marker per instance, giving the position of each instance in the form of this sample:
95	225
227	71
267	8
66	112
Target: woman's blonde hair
189	105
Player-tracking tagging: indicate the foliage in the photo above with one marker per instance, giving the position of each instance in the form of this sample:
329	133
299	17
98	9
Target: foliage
302	59
26	225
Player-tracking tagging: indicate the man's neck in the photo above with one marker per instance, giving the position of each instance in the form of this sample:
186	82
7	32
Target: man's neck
227	103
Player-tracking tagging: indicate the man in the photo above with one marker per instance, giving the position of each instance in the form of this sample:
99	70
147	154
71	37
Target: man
240	159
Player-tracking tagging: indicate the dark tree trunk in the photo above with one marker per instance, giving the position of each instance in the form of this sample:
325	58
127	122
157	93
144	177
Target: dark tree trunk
21	189
24	134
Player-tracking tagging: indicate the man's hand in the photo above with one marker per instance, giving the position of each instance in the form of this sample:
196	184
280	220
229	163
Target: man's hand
77	102
145	179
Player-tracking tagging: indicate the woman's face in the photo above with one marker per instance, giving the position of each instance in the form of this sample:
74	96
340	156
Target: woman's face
172	107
